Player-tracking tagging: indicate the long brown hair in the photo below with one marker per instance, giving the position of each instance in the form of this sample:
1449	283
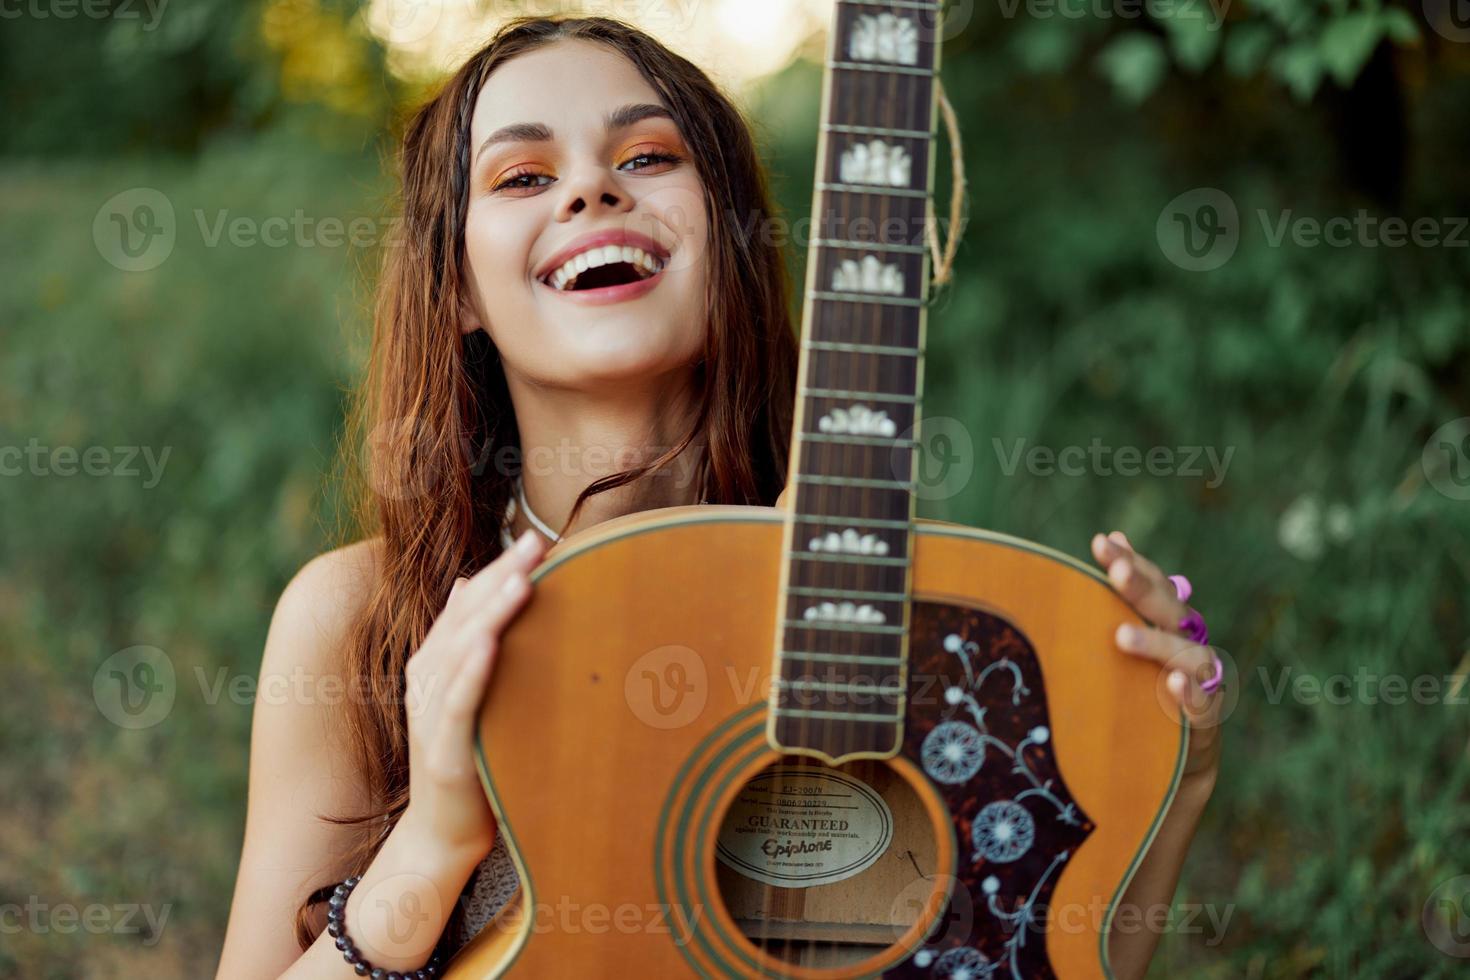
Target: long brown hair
435	409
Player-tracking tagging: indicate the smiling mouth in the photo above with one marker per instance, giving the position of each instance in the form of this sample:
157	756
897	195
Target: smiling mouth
602	267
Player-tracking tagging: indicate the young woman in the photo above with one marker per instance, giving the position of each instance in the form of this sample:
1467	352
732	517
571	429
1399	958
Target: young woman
570	327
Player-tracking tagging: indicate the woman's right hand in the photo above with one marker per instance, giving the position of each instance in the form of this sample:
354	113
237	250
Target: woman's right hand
445	683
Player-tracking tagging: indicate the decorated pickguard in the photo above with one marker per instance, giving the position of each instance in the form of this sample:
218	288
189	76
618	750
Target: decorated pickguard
977	724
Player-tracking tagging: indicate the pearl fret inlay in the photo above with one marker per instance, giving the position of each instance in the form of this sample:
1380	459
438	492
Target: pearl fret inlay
849	542
884	37
872	275
843	612
857	420
877	162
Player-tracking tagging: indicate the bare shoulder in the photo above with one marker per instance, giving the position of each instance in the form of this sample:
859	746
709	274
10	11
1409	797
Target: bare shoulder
319	605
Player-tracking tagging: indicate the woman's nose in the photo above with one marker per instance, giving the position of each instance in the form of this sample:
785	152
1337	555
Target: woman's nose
591	187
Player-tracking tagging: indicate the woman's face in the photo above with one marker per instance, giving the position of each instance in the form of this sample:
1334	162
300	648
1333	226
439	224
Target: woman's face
586	226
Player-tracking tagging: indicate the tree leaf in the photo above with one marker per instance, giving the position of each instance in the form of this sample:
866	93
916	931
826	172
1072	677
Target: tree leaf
1346	43
1299	65
1135	63
1398	25
1246	48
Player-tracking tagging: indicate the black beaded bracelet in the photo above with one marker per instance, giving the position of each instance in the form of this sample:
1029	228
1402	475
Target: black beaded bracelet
337	929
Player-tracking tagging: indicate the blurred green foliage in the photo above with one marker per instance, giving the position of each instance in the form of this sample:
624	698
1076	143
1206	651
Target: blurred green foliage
1329	547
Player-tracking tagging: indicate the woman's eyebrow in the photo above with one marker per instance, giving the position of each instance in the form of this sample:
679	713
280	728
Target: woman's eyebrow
540	133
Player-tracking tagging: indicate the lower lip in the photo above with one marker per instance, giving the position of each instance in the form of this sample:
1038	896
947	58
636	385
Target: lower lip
608	294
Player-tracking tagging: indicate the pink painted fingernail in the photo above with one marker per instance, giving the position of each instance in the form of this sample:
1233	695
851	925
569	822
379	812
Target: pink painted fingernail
1131	638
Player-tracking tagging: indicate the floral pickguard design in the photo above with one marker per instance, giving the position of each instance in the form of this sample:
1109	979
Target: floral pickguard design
978	725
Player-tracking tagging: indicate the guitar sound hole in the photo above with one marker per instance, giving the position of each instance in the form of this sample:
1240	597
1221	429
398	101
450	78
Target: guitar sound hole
826	867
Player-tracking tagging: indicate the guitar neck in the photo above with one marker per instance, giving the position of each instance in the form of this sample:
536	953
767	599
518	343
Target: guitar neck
842	636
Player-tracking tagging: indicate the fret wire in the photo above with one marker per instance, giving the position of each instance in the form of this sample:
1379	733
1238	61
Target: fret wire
847	559
854	481
837	626
853	393
870	189
817	592
872	660
838	715
862	246
882	299
911	4
851	129
853	688
839	519
905	4
880	67
848	440
846	347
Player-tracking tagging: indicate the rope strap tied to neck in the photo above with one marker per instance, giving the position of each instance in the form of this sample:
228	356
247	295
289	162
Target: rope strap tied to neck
944	257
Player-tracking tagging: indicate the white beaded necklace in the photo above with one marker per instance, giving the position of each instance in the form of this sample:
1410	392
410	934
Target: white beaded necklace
518	499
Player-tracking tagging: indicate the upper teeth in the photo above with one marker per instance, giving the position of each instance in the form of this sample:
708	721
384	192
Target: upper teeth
602	255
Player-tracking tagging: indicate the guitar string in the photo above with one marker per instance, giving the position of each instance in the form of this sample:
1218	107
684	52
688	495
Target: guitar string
872	322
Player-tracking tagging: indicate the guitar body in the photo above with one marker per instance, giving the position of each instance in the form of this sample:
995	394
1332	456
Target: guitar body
626	748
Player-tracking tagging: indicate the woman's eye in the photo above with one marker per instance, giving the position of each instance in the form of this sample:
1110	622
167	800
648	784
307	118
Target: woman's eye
644	160
526	180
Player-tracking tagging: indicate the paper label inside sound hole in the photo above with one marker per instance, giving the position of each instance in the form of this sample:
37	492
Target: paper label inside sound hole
796	828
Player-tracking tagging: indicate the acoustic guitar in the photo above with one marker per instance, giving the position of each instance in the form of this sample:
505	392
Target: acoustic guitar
828	740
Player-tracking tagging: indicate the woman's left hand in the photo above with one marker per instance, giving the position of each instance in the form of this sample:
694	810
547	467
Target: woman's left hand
1149	591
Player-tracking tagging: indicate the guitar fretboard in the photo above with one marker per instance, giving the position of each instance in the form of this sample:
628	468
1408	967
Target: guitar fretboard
842	642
